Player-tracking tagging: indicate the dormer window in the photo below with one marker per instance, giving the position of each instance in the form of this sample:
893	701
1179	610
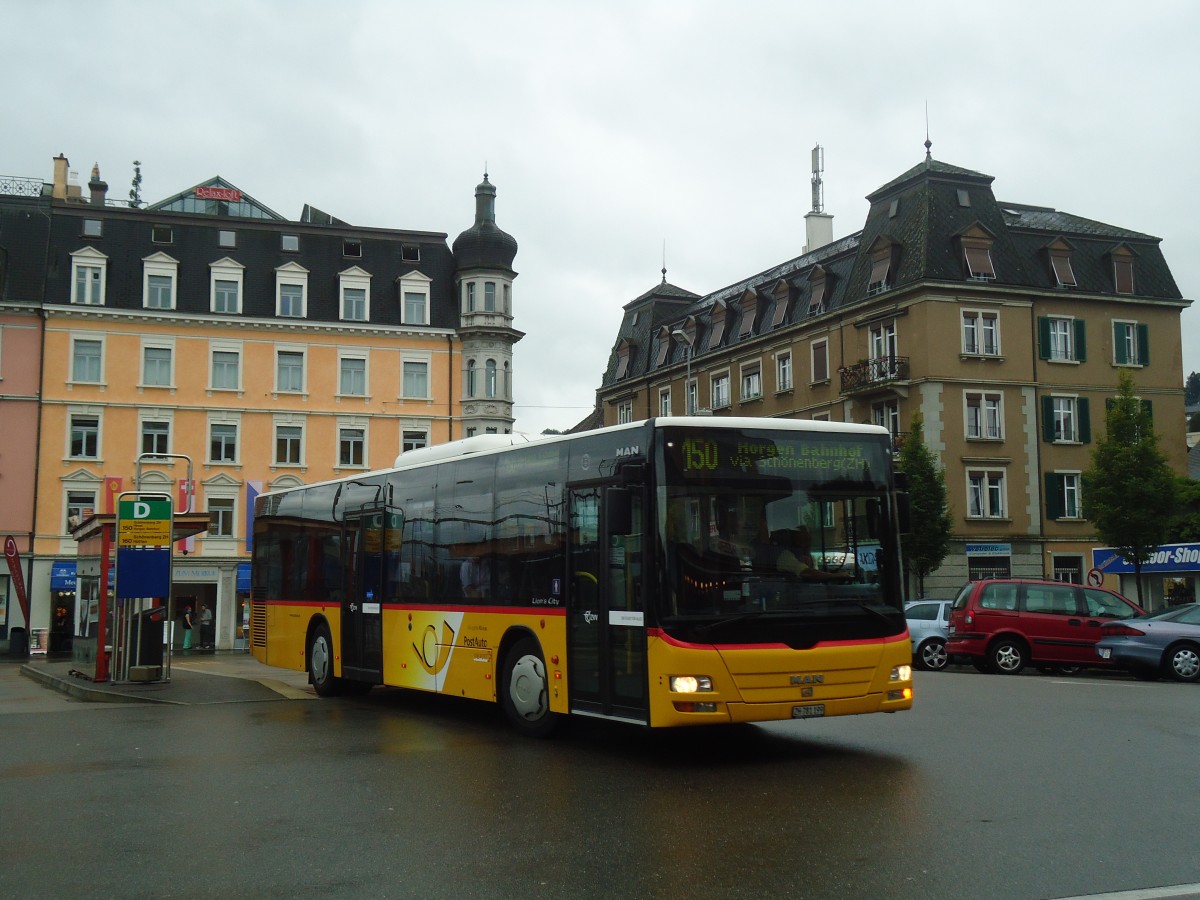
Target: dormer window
817	281
624	354
352	248
1060	264
749	310
880	279
664	346
1122	263
782	293
718	324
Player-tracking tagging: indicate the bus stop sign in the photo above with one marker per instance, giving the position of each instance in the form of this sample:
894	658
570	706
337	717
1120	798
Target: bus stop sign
143	548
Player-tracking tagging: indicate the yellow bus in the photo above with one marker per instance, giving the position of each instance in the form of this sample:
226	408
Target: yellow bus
676	571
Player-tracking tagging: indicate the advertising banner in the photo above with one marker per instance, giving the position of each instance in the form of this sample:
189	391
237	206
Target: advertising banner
13	558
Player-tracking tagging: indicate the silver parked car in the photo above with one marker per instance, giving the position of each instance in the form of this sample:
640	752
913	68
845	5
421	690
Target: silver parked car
928	627
1162	643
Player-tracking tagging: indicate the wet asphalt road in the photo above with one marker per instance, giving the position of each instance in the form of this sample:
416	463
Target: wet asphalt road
1025	787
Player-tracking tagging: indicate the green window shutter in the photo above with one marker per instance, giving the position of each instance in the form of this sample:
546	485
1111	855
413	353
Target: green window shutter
1143	344
1044	337
1054	500
1080	341
1119	343
1148	406
1085	420
1048	419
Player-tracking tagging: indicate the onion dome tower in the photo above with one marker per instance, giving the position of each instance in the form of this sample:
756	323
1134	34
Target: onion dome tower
483	257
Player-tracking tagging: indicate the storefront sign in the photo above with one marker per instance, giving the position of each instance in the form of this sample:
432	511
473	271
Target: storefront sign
1165	558
989	549
231	195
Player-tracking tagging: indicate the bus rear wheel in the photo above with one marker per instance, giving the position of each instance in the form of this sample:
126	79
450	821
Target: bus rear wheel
525	690
320	663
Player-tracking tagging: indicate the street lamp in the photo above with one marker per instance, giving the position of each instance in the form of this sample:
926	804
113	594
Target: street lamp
687	341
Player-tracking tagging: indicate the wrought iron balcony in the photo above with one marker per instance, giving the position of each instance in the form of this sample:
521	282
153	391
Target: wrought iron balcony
873	373
14	186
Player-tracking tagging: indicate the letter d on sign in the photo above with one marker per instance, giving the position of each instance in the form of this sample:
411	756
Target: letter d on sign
141	510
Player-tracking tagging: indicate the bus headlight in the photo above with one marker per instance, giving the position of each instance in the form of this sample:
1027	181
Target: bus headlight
690	684
901	673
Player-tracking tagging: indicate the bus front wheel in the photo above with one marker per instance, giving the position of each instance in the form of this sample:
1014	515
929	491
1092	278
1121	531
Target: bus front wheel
320	663
525	691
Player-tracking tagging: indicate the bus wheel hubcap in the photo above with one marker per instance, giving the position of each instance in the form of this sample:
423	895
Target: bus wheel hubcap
527	688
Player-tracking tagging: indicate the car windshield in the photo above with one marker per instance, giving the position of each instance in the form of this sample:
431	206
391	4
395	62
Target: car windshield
766	528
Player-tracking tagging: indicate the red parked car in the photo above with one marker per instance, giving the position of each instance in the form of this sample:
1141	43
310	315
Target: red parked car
1001	625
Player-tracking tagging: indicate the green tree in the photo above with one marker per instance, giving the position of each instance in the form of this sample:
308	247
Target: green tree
1129	491
135	189
1191	389
1194	422
1184	527
927	544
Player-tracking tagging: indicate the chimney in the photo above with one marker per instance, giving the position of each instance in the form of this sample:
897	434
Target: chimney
98	188
74	192
59	191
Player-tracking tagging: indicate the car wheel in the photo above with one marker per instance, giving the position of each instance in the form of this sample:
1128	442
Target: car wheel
1007	656
320	663
525	691
1182	662
931	655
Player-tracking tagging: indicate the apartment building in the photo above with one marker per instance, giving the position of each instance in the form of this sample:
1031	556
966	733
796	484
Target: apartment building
1004	324
209	348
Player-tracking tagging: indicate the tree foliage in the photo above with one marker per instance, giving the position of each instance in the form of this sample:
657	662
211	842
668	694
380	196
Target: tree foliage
1191	389
929	541
1129	491
135	190
1184	526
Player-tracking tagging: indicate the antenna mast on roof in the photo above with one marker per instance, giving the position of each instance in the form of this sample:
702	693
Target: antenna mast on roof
664	268
928	142
818	187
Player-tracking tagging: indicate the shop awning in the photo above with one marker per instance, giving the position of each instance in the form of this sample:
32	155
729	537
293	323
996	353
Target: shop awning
62	575
243	578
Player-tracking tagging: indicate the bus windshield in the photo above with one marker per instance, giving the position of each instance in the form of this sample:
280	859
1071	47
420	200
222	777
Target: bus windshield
777	536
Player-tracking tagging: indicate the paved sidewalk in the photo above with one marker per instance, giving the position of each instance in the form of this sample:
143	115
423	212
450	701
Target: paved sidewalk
221	677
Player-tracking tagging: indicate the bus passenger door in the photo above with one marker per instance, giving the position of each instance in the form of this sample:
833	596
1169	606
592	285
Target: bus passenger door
606	630
362	608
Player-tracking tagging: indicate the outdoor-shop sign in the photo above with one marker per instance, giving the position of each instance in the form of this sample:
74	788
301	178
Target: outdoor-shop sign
1165	558
989	549
218	193
196	574
13	557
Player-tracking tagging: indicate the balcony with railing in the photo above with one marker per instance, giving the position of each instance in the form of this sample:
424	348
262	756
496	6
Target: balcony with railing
15	186
873	374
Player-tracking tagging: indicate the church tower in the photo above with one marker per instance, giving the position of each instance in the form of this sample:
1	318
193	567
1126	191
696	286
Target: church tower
483	256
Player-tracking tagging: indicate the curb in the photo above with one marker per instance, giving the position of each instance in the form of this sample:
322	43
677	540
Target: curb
85	692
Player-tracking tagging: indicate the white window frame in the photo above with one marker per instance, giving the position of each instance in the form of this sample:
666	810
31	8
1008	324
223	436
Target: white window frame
80	486
414	283
91	259
469	297
355	423
357	356
226	269
288	420
1073	478
91	338
416	357
987	491
291	273
229	503
164	266
664	401
163	416
227	420
92	412
624	412
692	397
815	376
1065	338
1130	340
975	332
292	350
354	278
783	371
157	343
750	380
883	340
980	427
718	390
1065	412
415	426
234	347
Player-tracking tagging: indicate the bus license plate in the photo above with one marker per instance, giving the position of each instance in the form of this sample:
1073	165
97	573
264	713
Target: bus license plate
808	712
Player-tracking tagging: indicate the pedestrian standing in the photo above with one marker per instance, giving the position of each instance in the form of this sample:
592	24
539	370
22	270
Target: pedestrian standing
187	628
207	638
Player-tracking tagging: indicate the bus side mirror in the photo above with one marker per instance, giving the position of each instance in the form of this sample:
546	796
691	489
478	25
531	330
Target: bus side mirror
618	510
904	513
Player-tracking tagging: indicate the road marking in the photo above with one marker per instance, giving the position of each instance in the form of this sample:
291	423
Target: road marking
1177	890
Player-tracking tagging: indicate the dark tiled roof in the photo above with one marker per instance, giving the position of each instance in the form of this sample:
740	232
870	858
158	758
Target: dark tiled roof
921	214
24	228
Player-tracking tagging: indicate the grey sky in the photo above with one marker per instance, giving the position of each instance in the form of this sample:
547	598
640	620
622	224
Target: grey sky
610	127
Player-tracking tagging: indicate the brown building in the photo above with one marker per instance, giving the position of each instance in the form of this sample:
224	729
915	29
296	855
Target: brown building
1004	324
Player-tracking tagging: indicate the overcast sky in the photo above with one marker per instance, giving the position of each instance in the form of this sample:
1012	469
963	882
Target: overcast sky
611	127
